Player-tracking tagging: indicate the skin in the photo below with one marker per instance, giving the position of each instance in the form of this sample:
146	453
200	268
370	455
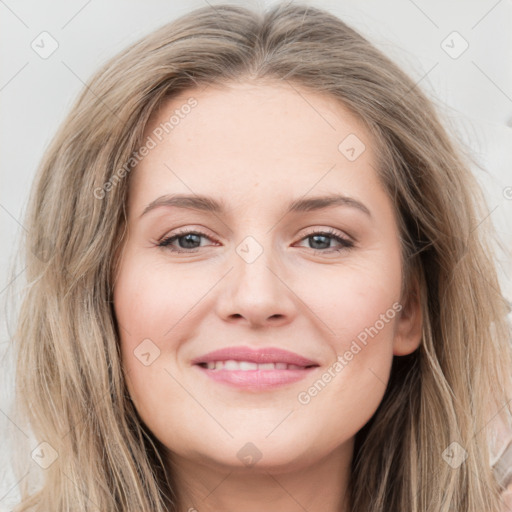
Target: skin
257	147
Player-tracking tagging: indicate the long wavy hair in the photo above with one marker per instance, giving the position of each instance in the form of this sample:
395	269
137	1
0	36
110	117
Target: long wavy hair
70	387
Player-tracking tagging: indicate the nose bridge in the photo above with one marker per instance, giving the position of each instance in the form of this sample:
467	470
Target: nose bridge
255	291
252	266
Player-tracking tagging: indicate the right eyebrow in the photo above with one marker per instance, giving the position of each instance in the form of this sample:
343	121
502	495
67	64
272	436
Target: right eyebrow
195	202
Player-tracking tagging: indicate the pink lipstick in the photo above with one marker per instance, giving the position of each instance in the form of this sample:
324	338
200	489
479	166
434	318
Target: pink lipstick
257	370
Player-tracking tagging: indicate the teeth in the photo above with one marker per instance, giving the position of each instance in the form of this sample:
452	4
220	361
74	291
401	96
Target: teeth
243	365
231	365
249	366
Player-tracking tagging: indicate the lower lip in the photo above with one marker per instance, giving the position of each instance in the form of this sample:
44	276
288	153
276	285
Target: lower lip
257	380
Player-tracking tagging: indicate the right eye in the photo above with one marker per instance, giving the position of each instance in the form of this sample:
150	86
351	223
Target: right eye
186	237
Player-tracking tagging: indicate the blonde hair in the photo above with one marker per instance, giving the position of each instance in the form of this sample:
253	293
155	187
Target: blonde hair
69	380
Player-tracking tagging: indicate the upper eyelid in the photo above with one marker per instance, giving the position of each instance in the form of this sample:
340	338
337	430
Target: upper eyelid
186	231
202	231
330	232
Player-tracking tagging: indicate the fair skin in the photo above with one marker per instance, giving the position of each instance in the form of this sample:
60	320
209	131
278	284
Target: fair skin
257	147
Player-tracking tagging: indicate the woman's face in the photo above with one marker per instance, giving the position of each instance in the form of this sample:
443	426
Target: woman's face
271	267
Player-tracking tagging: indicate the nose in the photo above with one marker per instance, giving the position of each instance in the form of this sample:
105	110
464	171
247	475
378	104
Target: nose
256	291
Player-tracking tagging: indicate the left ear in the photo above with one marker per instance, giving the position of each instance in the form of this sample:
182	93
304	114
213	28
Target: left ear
409	323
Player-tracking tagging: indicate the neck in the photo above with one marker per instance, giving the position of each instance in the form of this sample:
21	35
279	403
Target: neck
319	485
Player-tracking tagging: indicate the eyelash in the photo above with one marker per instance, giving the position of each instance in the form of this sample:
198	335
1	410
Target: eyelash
345	242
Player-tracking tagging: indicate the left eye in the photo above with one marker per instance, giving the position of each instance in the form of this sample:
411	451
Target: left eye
187	240
317	237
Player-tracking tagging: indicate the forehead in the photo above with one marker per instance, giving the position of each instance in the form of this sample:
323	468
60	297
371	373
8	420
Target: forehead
256	142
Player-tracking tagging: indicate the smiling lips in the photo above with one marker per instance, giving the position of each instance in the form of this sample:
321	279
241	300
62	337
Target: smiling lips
245	366
258	370
262	356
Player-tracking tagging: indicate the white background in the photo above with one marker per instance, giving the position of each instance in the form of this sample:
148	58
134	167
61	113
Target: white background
474	92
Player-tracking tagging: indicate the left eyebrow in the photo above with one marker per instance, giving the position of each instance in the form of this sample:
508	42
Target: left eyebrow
320	202
209	204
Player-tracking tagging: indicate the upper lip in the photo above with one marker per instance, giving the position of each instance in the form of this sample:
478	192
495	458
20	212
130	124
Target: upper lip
260	356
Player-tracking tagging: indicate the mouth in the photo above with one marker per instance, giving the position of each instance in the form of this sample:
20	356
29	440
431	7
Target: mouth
247	366
256	370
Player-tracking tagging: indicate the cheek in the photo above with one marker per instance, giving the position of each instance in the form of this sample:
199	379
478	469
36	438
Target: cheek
151	302
149	309
356	300
358	306
361	318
